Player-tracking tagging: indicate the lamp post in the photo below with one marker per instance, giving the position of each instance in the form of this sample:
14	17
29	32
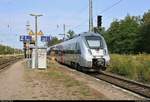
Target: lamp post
28	29
36	43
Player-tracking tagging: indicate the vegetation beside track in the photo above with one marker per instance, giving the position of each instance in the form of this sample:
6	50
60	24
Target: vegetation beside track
135	67
5	50
73	86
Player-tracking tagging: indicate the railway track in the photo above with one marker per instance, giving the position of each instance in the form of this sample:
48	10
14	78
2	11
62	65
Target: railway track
6	62
138	88
133	86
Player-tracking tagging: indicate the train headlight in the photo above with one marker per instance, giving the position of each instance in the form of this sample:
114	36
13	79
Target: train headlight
105	52
89	51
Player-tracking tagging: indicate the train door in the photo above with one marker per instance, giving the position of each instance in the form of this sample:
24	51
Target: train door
77	53
62	56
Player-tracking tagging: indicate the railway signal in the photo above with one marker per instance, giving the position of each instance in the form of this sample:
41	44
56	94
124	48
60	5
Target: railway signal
99	21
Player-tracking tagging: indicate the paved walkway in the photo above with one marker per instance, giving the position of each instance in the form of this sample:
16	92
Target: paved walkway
19	83
12	82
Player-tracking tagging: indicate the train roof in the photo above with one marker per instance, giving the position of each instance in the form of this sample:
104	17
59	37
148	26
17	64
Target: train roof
88	34
79	35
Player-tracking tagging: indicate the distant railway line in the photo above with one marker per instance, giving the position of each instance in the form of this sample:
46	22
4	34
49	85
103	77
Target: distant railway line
5	61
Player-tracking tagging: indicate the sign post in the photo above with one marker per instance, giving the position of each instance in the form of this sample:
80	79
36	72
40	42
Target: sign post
26	40
38	54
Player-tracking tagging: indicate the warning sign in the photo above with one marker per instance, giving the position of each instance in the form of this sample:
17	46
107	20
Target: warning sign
31	33
40	33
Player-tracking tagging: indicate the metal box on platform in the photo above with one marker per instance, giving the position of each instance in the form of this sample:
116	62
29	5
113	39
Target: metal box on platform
41	58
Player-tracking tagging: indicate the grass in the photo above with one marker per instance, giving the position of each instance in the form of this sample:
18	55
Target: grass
135	67
68	82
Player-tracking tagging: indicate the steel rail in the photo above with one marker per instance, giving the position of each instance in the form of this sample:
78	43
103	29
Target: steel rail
133	86
6	63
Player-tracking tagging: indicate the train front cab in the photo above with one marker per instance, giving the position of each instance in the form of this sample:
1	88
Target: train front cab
94	56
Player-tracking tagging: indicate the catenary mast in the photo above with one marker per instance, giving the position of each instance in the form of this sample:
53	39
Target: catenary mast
90	16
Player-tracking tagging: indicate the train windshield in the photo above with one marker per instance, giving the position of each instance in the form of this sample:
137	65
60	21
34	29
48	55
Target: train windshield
94	42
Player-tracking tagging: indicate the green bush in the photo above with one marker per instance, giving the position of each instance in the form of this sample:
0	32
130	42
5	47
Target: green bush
135	67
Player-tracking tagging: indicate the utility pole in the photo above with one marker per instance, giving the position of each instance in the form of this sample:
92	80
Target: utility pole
28	29
64	26
64	34
28	26
90	16
36	42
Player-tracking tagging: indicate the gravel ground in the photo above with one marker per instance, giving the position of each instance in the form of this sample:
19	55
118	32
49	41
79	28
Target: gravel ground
55	83
20	83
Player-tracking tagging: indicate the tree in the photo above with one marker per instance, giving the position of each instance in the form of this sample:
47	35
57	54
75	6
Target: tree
54	41
146	19
122	35
111	36
8	50
129	35
144	34
100	30
71	34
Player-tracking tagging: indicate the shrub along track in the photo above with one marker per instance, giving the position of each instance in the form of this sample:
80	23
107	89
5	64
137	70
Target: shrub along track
6	61
138	88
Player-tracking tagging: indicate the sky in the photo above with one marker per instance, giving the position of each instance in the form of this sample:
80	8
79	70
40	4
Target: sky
14	15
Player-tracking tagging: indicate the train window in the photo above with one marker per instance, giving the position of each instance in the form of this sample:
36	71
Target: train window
94	42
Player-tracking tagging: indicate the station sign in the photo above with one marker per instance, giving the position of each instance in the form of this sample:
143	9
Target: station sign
45	38
25	38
